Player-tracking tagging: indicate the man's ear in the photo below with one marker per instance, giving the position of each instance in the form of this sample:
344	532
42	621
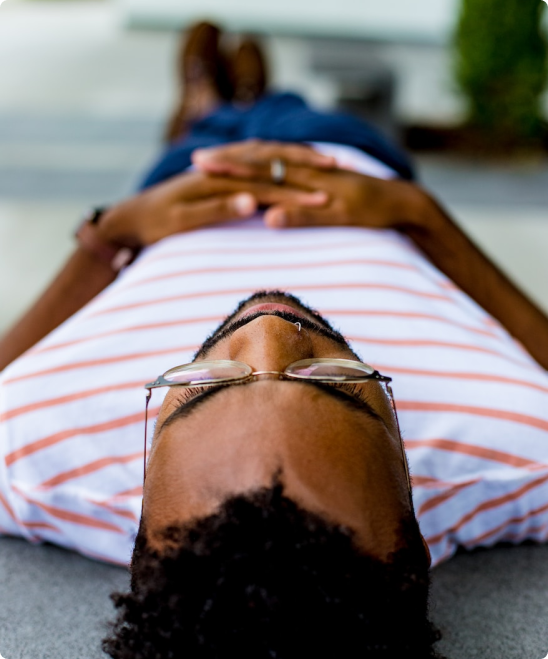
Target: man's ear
427	550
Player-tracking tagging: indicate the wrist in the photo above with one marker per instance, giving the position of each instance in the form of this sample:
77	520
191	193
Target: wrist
112	227
417	212
94	239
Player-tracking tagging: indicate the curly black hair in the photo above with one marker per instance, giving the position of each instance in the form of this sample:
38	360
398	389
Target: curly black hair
264	578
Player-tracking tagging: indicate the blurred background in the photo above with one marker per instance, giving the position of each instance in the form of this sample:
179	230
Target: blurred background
86	85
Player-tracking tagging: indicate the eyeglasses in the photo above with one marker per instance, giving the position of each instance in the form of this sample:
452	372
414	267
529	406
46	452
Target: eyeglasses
218	372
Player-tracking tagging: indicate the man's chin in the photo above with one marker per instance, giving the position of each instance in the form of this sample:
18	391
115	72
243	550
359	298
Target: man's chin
282	304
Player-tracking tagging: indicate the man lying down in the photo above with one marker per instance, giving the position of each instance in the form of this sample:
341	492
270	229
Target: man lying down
278	518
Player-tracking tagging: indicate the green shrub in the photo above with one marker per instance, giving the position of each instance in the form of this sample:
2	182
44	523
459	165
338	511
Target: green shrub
502	68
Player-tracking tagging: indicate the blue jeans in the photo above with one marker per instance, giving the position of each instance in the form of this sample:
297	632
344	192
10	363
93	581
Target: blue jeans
281	117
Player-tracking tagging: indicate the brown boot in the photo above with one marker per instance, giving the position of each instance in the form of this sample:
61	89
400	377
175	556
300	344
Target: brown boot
203	79
248	74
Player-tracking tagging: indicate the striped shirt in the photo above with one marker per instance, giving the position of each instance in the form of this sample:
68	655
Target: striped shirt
472	403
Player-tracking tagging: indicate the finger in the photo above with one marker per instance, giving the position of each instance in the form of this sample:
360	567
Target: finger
216	209
305	177
262	168
296	176
230	159
225	167
269	195
305	155
265	193
285	217
253	159
254	151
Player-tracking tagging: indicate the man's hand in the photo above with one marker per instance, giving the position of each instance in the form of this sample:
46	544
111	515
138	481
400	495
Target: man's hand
193	200
352	199
251	159
357	200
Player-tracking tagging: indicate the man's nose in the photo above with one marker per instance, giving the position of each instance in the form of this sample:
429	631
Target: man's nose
270	343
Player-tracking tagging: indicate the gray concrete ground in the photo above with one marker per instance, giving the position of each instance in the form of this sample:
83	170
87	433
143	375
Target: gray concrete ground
55	604
81	108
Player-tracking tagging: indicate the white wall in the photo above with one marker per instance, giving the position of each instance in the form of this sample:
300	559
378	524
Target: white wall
392	19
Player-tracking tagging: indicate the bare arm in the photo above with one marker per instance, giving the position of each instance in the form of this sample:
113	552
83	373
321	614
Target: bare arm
80	280
452	252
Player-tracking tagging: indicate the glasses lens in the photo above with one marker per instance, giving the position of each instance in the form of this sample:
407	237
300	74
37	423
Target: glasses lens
330	369
206	372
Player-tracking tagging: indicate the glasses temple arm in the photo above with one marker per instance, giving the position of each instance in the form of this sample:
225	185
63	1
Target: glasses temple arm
148	397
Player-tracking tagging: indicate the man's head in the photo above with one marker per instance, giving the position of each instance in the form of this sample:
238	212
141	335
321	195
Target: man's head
334	452
262	578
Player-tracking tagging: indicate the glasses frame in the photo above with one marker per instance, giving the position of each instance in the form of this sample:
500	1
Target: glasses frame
161	381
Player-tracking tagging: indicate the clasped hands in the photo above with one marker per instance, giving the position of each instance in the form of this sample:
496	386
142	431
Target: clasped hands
233	181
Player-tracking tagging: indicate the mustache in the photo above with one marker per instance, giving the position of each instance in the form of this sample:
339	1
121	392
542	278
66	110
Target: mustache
284	315
315	322
305	323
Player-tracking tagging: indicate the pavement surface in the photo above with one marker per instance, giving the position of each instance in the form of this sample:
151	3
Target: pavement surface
488	604
81	111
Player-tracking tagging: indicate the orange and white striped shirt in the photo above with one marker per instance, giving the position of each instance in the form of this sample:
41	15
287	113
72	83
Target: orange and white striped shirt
473	406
